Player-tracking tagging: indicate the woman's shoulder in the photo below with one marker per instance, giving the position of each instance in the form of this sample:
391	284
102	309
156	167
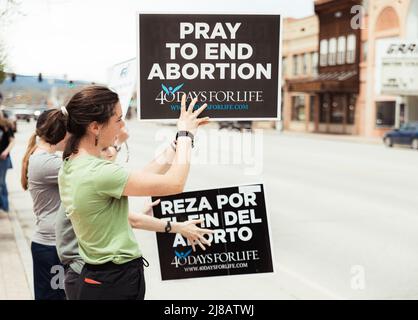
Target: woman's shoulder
45	161
89	163
100	164
46	156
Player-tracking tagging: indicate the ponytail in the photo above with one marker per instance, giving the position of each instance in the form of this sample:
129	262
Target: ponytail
25	162
51	128
71	147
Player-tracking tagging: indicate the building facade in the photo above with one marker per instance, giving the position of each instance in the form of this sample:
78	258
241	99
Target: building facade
333	92
346	95
299	63
388	23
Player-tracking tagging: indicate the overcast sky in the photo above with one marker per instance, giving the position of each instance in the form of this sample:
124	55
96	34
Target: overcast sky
83	38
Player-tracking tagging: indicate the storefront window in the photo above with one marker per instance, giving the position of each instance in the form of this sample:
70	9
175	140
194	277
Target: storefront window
314	63
295	65
324	108
311	108
337	108
351	109
332	52
300	64
305	63
351	48
341	50
385	113
324	53
298	108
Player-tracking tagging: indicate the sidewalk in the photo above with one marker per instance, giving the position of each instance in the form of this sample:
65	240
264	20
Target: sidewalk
16	275
14	282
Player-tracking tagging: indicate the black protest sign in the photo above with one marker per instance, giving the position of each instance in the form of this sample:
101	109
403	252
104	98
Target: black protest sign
230	62
240	243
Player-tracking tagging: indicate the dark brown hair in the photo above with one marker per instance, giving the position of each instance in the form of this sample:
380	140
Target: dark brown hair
93	103
50	127
4	122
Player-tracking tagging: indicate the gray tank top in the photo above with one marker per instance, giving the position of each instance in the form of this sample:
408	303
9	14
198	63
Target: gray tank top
43	186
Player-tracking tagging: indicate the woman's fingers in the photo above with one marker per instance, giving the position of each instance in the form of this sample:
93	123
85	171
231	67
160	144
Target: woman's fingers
200	110
197	221
201	245
206	231
156	202
204	240
191	106
148	207
203	121
183	103
200	240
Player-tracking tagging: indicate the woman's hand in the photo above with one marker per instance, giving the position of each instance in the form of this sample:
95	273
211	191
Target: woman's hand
122	136
194	234
109	153
4	155
147	209
188	120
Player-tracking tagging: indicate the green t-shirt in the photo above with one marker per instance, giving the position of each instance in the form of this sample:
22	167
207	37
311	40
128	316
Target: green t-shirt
91	191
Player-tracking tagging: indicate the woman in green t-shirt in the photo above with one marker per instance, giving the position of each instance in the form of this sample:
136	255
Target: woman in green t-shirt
94	193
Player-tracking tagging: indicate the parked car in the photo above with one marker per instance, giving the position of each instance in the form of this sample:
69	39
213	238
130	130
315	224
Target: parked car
236	125
225	124
407	134
10	116
23	112
244	125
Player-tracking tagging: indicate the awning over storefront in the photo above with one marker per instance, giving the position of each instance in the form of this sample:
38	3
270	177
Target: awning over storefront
344	81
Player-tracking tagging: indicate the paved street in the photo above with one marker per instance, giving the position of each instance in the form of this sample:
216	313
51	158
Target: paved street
343	215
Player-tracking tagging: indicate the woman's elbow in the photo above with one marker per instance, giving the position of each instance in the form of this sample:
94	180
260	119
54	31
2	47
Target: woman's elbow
134	221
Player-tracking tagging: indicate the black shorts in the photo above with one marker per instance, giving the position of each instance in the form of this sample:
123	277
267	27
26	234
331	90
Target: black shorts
44	259
112	281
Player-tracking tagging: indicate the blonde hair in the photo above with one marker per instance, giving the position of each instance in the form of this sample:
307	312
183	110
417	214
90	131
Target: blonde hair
25	162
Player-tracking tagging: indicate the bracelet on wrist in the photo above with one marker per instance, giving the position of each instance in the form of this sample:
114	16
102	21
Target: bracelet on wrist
167	228
185	134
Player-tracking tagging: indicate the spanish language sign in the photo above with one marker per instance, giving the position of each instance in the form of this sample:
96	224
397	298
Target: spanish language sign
240	243
230	62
